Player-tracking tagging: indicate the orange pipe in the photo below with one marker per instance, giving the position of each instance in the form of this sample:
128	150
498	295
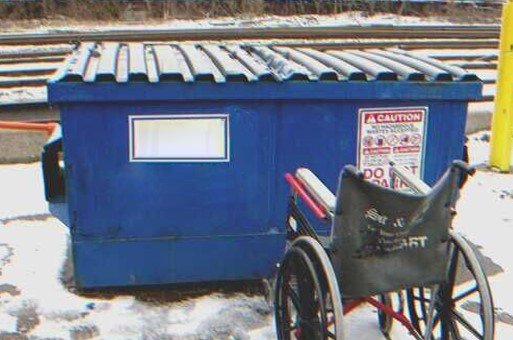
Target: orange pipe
45	127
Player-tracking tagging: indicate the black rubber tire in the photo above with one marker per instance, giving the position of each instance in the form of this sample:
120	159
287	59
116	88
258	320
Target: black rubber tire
328	279
301	262
451	302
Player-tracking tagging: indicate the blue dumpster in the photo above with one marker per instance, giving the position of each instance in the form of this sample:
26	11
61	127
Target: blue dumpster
175	153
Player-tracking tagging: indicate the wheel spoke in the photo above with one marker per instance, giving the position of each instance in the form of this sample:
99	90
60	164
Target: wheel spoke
467	324
290	327
436	321
465	294
423	305
454	329
422	299
310	294
463	267
293	297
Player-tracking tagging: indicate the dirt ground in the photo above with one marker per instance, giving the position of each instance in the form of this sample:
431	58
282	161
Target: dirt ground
21	147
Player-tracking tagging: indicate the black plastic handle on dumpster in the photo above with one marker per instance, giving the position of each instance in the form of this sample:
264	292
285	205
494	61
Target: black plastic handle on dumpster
52	172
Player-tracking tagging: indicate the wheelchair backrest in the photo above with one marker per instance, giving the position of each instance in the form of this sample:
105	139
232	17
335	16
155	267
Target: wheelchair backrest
384	240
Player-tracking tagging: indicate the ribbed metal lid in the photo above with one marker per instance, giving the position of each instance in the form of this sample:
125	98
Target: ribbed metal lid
214	62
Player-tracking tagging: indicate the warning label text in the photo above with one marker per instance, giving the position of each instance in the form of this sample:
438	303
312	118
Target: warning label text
396	134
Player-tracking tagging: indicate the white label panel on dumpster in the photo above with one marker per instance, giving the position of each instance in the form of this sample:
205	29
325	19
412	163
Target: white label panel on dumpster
397	134
179	138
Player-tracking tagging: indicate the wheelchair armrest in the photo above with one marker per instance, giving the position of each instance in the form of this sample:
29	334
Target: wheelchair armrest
316	189
318	210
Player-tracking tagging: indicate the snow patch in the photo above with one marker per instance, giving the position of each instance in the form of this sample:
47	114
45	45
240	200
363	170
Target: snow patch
23	95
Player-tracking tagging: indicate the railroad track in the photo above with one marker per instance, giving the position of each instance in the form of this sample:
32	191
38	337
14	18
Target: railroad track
27	61
322	32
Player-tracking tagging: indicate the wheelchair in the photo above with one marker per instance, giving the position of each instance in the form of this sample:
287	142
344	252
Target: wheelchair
392	249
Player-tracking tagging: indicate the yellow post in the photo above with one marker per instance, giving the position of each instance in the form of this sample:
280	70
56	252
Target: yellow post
502	122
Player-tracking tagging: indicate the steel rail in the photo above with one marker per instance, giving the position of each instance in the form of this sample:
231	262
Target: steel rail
24	52
324	32
22	81
29	60
403	44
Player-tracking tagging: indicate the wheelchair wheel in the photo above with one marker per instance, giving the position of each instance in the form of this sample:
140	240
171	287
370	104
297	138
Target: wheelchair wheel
463	306
307	300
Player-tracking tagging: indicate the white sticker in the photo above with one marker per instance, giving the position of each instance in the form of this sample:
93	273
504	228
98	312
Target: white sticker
396	134
179	138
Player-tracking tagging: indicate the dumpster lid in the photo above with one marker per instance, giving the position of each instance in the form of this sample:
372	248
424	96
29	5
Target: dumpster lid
220	63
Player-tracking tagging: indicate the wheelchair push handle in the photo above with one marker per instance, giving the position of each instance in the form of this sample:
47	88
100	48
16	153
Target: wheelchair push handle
467	169
321	201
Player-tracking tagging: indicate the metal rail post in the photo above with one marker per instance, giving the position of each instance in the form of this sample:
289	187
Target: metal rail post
502	122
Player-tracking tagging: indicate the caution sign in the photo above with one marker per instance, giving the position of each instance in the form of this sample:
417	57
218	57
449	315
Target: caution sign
396	134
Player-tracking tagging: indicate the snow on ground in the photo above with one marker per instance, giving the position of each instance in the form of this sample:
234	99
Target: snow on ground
347	18
23	94
34	301
486	218
34	248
